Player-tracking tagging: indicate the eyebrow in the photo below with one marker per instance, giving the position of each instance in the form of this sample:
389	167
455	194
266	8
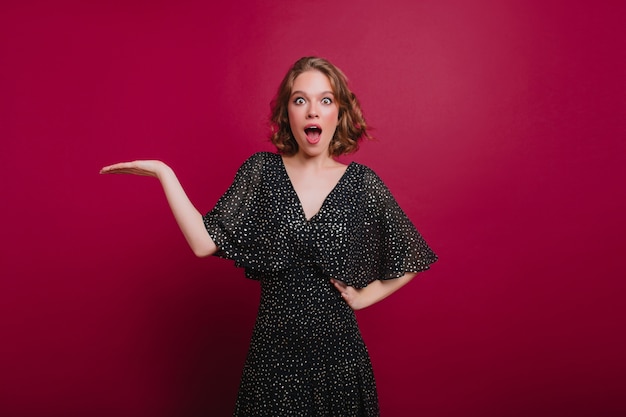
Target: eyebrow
323	93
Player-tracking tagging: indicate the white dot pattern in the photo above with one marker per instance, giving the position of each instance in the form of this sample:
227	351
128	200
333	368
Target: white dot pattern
307	357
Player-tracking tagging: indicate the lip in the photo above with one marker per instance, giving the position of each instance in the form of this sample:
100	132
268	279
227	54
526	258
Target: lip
309	139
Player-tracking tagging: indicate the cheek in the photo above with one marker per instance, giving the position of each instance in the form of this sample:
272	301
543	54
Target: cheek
290	115
330	112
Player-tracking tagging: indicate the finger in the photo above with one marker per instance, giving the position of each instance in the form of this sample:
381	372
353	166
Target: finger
115	167
344	292
341	286
123	171
134	168
338	282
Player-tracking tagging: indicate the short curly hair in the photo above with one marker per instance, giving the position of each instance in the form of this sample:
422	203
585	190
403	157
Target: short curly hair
351	128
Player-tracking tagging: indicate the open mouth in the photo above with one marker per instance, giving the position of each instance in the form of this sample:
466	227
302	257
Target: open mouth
313	134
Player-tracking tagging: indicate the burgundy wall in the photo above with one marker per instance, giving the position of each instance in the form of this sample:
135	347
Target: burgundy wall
501	131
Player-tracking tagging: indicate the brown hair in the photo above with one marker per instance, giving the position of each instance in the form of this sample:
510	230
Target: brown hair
351	127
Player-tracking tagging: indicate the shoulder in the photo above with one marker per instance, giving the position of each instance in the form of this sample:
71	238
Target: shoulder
370	184
265	155
364	169
262	157
365	173
259	159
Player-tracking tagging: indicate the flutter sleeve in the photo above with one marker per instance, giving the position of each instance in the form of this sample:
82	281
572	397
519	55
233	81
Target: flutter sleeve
242	224
384	243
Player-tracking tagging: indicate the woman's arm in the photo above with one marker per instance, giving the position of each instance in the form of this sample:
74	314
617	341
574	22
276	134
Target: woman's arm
187	216
358	299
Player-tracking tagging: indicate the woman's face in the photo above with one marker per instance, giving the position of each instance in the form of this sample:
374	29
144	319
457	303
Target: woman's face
313	113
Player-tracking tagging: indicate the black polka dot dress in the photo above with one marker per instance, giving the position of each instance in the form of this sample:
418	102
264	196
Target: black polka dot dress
307	357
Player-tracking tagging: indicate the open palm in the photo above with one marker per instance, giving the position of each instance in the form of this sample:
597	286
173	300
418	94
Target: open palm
148	168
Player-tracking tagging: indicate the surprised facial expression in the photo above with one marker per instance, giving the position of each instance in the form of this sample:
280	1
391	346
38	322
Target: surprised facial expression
313	113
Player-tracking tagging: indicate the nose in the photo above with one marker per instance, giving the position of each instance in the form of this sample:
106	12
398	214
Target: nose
312	112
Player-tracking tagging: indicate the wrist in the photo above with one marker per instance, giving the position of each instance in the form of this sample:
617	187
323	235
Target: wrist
162	170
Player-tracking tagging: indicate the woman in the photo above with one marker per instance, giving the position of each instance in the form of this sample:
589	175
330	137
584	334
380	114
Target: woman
323	238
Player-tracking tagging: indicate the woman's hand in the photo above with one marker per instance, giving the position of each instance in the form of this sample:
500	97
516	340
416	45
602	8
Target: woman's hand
349	294
187	216
144	168
375	291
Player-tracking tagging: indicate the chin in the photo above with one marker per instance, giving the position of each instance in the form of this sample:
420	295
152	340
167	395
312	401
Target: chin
313	149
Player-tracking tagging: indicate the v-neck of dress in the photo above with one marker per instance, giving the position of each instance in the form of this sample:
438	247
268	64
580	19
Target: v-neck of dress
295	193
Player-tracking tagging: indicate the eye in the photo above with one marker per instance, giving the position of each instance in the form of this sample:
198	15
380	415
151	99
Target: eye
327	100
299	100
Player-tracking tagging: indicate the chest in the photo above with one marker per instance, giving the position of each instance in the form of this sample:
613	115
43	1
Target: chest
290	200
313	193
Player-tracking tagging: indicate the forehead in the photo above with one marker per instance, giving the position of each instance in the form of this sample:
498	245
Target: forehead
312	81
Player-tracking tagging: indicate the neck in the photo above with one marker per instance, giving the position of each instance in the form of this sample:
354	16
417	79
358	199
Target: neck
317	161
